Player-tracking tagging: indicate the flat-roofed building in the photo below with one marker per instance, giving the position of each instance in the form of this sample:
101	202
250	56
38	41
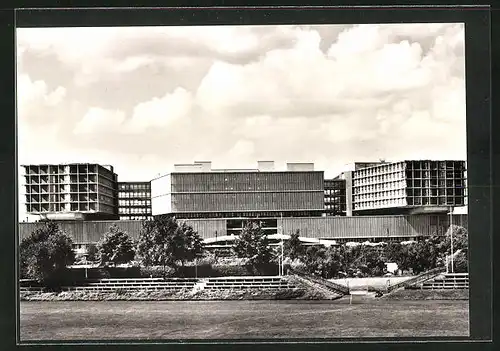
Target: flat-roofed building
78	191
134	200
411	187
347	176
239	194
335	197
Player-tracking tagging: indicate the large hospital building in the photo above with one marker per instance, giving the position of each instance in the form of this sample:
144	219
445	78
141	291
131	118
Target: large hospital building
368	201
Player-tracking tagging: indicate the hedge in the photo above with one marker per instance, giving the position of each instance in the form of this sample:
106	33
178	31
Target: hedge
74	275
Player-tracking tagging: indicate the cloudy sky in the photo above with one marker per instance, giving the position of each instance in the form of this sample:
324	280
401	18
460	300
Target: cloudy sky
143	98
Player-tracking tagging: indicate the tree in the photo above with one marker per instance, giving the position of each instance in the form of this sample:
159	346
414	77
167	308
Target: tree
92	253
188	245
404	255
314	259
373	262
460	263
163	242
253	244
293	247
116	247
46	253
333	262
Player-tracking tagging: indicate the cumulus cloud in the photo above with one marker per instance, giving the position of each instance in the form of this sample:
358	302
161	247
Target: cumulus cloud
35	94
100	121
326	94
161	112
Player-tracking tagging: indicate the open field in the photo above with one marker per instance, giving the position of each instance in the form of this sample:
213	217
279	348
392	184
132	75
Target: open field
85	320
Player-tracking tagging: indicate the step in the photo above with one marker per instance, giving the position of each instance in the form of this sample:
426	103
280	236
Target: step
444	288
248	286
115	289
139	287
141	284
142	280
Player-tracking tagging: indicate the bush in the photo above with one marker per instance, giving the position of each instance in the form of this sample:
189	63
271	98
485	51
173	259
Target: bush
92	253
156	272
45	254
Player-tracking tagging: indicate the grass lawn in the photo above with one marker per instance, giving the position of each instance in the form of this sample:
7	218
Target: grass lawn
84	320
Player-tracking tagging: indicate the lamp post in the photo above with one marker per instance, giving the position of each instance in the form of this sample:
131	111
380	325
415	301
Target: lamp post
451	238
282	249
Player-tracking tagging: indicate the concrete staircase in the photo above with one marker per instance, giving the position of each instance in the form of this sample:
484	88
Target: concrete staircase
176	284
147	284
243	283
418	280
320	283
446	281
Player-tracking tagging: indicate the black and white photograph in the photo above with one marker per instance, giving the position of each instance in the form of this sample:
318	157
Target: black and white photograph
227	182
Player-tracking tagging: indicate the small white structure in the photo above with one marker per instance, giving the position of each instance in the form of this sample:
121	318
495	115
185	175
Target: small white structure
392	267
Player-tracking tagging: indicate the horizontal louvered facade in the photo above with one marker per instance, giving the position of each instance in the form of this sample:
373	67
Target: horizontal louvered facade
338	228
230	192
246	181
370	227
85	232
251	201
208	228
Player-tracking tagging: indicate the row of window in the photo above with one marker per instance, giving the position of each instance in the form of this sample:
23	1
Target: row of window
262	214
381	194
391	174
135	218
134	202
380	203
417	201
335	199
386	168
125	210
339	207
433	165
379	187
127	195
334	192
125	186
379	179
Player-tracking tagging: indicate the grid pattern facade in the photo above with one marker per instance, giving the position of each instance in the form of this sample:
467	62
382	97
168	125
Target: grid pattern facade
335	197
215	194
84	188
134	200
410	184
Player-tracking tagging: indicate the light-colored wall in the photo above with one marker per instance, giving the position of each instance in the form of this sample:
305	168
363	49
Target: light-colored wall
161	198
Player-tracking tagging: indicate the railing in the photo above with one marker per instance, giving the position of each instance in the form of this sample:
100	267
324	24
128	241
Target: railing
320	281
418	279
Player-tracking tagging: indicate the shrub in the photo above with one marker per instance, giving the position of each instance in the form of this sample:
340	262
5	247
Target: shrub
156	272
45	254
